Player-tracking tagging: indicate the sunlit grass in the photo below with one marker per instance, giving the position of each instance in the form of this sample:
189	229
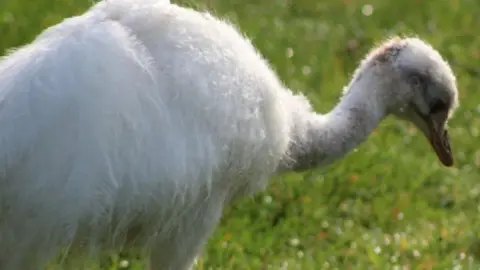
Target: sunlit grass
389	205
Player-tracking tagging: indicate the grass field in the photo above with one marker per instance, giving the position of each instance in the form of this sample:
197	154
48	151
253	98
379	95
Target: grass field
388	205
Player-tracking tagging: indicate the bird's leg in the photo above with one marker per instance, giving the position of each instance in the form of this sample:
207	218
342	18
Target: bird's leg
178	248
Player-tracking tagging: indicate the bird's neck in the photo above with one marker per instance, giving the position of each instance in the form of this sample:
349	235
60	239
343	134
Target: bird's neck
318	140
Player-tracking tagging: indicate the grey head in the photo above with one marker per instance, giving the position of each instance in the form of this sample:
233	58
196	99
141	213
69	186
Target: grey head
423	89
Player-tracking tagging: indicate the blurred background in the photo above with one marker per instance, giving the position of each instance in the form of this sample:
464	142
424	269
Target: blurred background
388	205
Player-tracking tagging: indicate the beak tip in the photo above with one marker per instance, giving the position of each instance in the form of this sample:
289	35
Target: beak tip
448	163
441	145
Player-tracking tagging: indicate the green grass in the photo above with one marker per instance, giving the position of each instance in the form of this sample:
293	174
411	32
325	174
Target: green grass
388	205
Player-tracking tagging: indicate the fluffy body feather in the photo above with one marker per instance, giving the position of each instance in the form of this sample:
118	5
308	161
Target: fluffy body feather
132	116
135	123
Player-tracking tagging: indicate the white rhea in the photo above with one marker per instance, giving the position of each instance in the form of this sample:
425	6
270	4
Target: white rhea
136	123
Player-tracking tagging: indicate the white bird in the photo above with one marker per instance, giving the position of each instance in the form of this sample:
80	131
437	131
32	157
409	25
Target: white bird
136	123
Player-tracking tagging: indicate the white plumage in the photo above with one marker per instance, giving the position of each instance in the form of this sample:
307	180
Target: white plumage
135	123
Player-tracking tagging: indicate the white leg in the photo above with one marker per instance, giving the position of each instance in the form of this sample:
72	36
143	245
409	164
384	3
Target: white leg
179	249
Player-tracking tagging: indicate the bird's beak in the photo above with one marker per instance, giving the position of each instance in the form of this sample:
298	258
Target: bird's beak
437	134
434	128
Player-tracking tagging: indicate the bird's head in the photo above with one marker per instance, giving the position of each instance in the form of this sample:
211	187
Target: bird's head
421	88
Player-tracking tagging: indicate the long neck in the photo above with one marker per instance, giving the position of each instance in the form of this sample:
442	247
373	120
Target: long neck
318	140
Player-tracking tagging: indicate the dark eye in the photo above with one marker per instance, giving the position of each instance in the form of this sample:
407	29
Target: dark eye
416	81
438	106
